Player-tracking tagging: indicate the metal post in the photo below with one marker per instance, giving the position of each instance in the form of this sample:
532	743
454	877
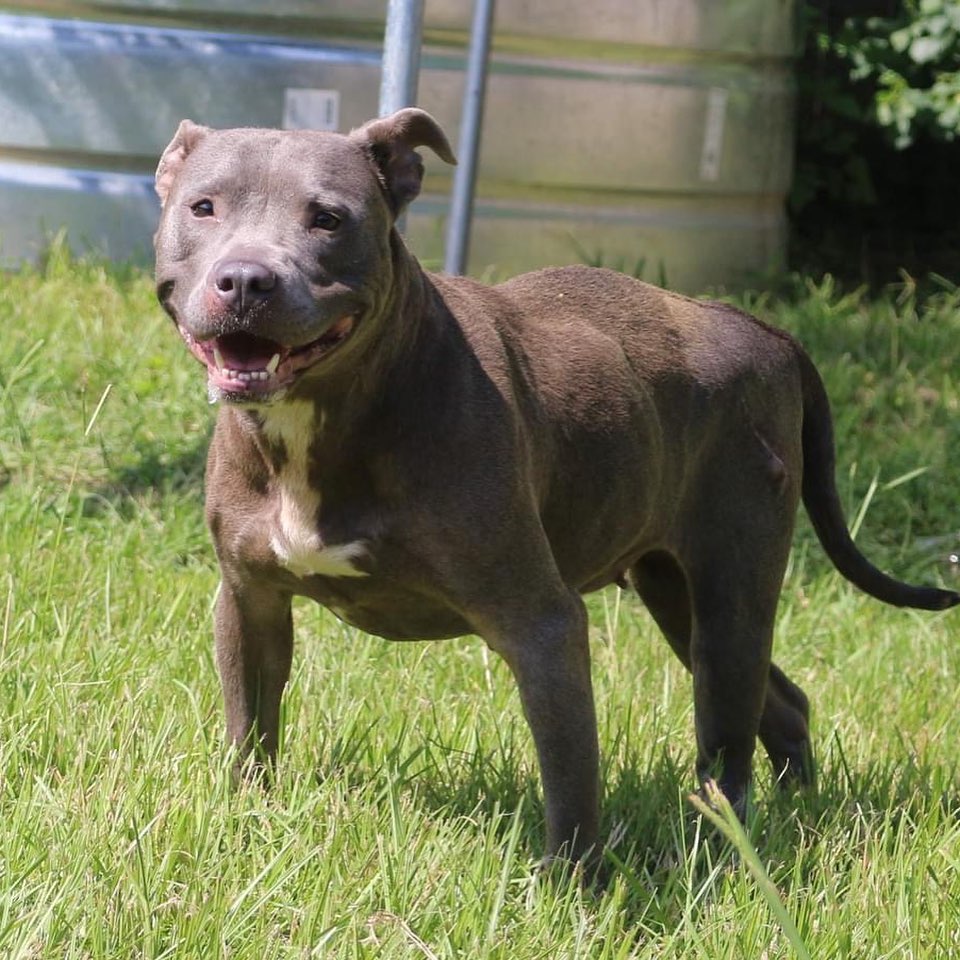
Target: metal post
401	55
464	181
400	69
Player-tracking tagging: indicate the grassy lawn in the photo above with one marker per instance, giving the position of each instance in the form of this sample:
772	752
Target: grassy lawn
407	819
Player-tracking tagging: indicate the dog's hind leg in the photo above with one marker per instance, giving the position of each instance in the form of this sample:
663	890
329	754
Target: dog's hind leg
730	642
785	732
663	587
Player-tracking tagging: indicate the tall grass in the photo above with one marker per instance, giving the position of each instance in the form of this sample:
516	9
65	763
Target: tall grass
406	817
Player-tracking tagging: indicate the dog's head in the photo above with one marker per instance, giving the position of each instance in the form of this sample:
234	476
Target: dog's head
274	247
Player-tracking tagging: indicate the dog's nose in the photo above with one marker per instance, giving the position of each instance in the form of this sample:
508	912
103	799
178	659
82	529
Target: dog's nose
241	283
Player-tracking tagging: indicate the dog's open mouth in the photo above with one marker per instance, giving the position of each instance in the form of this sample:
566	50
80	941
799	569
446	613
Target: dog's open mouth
247	365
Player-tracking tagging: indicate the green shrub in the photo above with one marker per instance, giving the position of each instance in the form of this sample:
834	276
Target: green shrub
914	61
878	114
878	111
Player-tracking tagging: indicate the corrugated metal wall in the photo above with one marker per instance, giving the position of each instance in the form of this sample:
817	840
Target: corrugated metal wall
653	133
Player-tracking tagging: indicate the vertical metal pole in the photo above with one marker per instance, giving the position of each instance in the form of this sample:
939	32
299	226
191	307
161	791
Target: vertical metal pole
465	176
401	55
400	69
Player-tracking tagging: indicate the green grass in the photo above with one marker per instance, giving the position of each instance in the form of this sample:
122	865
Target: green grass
406	818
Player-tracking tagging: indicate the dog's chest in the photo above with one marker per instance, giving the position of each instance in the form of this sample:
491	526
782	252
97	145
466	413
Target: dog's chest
295	536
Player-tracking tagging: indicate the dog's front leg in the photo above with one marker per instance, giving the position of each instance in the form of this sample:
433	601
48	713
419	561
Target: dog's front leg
550	658
254	648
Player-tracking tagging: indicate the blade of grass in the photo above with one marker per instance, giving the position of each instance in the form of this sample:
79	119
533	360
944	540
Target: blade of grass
719	812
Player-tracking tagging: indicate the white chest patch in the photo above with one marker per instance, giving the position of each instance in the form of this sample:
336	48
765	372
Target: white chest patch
296	538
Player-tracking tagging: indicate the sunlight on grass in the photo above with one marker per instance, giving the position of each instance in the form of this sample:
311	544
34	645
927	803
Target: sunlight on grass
406	819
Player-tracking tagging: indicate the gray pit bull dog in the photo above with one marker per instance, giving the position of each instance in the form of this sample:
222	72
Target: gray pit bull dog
430	457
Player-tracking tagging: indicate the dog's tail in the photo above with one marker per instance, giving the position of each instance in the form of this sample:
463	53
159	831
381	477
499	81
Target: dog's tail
823	505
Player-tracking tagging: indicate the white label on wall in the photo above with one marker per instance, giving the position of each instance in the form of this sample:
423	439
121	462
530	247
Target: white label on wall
713	133
305	109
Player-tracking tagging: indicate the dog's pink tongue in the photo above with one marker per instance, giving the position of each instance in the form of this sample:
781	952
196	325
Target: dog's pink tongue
243	351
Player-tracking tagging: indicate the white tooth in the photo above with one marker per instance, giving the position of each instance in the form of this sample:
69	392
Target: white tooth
273	364
230	374
243	375
218	357
264	375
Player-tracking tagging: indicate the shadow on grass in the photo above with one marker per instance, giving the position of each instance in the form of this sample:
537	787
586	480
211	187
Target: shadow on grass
155	473
479	784
670	862
656	845
898	790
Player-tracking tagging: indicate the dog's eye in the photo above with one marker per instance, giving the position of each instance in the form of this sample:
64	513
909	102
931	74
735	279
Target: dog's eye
202	208
325	220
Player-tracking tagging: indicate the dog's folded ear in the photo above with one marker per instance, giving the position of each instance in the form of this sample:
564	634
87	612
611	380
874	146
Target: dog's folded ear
392	142
188	135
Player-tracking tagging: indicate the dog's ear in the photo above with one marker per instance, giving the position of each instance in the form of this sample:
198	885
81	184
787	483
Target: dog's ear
188	135
392	142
